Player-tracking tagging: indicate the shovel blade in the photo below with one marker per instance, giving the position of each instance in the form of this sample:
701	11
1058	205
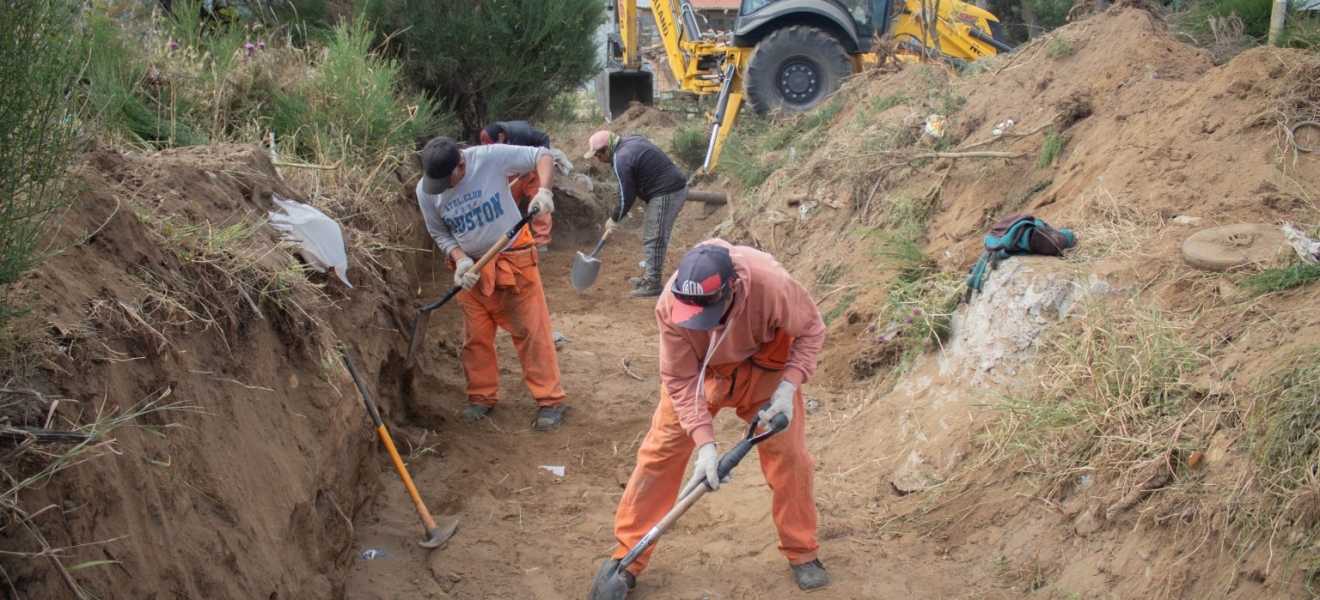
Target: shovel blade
585	270
438	536
608	584
417	335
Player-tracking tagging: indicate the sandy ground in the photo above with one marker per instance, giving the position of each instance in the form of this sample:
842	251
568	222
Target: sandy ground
526	533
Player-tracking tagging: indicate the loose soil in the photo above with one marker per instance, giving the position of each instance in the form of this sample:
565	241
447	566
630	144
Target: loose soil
265	480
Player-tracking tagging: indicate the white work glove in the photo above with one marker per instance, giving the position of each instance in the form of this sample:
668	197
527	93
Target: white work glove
781	403
544	201
610	225
707	465
464	275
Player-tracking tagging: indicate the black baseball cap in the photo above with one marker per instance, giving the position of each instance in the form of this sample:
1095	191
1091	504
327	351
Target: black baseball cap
702	287
440	157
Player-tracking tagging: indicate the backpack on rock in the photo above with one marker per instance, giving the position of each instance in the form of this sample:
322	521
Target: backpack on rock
1015	235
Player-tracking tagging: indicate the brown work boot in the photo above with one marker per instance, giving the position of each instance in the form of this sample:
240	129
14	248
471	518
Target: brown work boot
475	412
550	417
811	575
648	288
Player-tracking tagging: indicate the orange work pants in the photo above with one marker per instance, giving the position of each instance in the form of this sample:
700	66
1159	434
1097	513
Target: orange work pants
509	295
524	188
663	457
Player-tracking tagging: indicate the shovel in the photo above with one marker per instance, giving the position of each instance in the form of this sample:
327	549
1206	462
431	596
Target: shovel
423	316
435	536
587	267
609	584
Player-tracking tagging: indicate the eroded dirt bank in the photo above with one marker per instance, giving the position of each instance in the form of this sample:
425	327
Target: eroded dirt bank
263	479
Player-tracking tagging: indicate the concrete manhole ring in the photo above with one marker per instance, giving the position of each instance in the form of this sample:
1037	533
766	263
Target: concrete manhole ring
1229	246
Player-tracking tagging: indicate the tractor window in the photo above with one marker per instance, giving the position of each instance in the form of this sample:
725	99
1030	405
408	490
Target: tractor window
750	6
860	10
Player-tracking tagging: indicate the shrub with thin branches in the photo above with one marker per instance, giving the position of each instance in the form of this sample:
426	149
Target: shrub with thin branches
38	65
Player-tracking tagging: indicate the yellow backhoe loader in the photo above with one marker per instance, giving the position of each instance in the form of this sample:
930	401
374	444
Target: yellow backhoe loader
785	54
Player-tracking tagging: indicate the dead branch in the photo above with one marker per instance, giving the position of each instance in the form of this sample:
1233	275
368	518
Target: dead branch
624	363
1006	135
983	154
64	574
44	436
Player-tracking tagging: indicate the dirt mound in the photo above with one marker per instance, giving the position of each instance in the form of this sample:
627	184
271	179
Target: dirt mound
264	479
248	459
1156	143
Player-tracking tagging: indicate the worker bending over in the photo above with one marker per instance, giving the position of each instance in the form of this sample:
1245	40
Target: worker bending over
645	172
523	186
465	199
736	331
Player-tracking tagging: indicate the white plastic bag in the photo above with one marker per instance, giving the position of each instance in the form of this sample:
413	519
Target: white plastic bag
319	237
562	164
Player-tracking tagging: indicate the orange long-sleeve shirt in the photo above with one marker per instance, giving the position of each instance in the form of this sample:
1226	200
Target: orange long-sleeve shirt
766	300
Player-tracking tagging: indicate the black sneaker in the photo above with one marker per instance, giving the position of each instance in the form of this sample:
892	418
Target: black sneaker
475	412
550	417
811	575
649	288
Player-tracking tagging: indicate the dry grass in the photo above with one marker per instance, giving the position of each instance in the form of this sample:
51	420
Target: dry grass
1282	500
44	447
1110	228
1296	98
1110	406
224	278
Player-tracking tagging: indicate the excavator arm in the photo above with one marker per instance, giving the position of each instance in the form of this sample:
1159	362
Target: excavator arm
699	63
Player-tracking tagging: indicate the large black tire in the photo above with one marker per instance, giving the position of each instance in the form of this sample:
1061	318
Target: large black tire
794	69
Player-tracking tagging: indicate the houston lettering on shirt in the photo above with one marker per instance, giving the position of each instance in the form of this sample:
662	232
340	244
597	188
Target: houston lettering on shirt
479	210
472	212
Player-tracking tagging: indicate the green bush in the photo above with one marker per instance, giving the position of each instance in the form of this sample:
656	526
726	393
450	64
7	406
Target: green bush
689	145
185	80
38	64
493	60
351	107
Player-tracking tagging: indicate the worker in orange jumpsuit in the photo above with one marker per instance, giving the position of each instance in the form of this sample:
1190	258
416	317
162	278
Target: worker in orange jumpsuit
525	185
465	199
736	331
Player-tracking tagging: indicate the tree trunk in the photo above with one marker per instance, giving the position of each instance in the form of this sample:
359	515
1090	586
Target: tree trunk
1029	20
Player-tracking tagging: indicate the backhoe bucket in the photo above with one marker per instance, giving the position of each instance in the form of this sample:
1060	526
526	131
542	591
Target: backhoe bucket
618	88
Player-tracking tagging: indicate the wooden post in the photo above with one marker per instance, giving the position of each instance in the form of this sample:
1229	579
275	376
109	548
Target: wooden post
706	197
1276	21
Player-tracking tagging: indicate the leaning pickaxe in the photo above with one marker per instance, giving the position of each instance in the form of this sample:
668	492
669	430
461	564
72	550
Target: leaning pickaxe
435	536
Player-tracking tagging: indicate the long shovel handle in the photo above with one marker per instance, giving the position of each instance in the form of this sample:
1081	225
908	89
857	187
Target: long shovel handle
385	438
485	259
421	319
695	492
599	245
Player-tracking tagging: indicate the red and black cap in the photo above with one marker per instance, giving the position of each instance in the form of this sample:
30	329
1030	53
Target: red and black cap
702	287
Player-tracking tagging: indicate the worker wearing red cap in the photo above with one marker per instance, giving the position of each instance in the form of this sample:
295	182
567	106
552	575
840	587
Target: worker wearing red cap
736	331
524	185
645	172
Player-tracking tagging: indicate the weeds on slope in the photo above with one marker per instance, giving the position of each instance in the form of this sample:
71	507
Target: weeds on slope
1111	406
1285	440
